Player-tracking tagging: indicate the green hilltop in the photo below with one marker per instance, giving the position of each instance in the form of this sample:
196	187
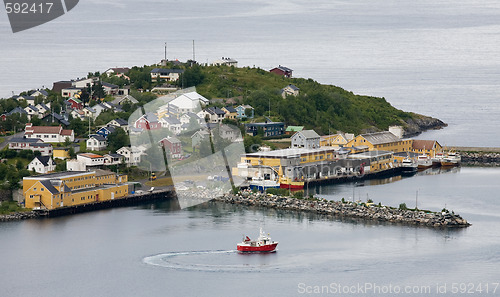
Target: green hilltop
324	108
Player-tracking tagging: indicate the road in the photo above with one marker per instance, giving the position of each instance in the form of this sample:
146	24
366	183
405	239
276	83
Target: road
8	138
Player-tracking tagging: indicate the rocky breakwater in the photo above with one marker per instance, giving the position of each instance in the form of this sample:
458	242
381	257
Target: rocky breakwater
17	216
367	211
480	158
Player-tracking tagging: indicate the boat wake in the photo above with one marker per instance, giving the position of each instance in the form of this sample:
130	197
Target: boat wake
214	261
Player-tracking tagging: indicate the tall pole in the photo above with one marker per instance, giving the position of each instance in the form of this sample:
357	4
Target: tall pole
194	57
165	51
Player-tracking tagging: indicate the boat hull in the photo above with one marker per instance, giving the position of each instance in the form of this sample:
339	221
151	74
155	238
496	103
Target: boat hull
263	188
293	186
267	248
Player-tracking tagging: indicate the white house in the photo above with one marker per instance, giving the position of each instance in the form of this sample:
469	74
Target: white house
308	139
42	164
290	90
83	83
41	93
119	123
225	61
43	109
96	143
90	159
113	159
166	74
89	112
34	144
70	92
49	133
132	155
116	71
213	114
32	112
123	99
189	102
171	124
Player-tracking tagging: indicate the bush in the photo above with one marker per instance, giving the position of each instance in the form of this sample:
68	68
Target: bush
298	194
280	192
402	206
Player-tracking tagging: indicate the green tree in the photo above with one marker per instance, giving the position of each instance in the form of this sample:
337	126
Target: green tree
118	139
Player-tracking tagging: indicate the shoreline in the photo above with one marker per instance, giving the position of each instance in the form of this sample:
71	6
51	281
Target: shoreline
348	209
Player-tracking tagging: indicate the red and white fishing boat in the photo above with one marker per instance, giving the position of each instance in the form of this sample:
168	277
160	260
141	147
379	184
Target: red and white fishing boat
263	244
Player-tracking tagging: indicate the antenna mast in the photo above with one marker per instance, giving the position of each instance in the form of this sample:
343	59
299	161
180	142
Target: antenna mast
194	57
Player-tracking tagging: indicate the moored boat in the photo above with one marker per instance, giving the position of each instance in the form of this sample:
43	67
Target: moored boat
261	184
451	159
408	166
263	244
286	183
437	159
424	161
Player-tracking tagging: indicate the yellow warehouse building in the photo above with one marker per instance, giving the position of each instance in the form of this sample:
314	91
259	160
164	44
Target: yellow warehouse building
72	188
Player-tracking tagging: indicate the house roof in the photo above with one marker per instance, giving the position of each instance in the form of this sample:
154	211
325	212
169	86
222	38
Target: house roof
125	98
380	137
90	109
32	107
230	109
245	106
119	70
42	105
423	144
215	110
121	122
58	117
75	100
40	144
17	110
172	121
97	137
49	186
108	85
43	129
171	139
309	134
25	140
283	68
43	92
90	155
111	129
65	132
294	128
202	133
293	87
114	155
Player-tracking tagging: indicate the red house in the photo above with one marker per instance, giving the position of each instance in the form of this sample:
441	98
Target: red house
282	70
173	146
148	121
75	103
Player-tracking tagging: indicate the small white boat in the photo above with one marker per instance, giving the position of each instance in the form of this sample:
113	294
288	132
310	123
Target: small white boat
262	184
451	159
408	166
424	161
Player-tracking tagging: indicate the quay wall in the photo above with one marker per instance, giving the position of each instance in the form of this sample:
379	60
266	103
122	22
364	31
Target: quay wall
348	210
126	201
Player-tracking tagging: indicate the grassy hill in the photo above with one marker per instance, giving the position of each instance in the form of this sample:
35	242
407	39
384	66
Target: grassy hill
321	107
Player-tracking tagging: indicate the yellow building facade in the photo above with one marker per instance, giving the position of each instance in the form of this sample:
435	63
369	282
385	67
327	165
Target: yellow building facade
64	189
61	153
336	140
383	141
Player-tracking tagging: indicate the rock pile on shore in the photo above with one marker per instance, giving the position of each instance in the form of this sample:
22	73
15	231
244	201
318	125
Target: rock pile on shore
480	159
19	216
348	209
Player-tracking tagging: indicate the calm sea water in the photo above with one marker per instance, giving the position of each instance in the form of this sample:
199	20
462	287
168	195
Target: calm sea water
155	251
437	58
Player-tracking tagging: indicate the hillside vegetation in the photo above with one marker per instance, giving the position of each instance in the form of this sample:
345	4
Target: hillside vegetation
324	108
